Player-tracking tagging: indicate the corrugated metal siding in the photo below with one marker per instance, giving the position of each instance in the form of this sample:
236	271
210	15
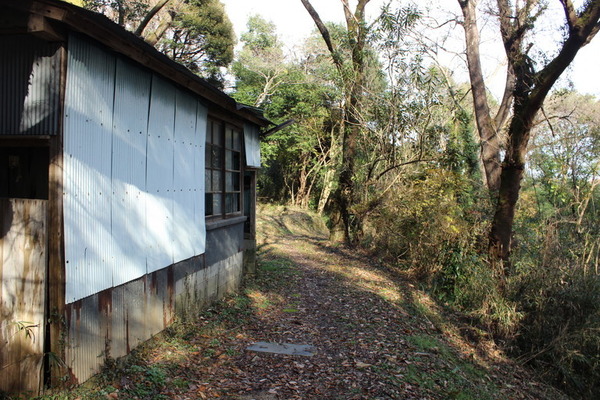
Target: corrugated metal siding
252	145
130	127
185	184
113	322
29	86
87	169
134	172
199	168
161	125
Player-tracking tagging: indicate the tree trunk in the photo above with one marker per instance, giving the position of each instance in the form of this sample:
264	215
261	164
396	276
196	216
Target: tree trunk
148	17
343	196
490	143
529	89
329	178
508	194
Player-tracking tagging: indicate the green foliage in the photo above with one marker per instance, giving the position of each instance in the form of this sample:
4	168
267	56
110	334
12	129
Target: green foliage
293	158
201	38
419	199
423	220
195	33
556	278
120	11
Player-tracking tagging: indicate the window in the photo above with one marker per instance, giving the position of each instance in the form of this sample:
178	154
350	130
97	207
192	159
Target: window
24	172
223	169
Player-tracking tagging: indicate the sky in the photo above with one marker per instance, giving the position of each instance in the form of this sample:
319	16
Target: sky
294	24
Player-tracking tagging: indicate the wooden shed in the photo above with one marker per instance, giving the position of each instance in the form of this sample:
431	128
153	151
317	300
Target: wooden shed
127	189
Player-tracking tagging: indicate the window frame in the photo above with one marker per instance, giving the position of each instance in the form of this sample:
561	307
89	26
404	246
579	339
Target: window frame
223	160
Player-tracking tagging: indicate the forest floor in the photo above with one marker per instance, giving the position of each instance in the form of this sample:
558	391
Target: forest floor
374	335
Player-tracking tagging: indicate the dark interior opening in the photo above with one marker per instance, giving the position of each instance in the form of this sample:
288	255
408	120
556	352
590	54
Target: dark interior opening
24	172
248	200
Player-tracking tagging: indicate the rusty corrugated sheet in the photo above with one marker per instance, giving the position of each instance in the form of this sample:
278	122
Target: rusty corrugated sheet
113	322
22	293
29	86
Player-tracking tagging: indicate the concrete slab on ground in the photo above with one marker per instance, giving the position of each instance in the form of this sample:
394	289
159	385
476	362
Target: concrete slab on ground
283	348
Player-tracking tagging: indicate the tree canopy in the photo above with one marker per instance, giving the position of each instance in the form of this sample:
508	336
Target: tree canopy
195	33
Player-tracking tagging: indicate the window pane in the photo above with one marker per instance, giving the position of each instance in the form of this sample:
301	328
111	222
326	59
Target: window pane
229	203
207	156
217	159
217	136
208	201
229	159
217	204
232	182
232	202
235	182
228	138
208	180
228	182
217	185
237	144
236	161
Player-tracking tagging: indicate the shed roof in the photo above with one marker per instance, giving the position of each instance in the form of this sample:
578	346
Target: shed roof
51	18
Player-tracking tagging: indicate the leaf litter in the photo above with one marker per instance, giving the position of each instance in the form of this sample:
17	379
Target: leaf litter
370	339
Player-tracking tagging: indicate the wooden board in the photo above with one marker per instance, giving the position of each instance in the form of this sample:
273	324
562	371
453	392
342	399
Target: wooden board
23	256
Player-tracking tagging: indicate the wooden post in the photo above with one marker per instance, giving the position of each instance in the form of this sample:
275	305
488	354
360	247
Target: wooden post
55	312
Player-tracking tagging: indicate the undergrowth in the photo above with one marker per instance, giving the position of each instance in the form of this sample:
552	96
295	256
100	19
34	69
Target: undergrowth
548	313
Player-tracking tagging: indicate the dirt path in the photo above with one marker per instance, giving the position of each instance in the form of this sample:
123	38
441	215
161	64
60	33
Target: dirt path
375	336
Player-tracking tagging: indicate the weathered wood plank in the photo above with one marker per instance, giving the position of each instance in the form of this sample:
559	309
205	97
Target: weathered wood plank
23	257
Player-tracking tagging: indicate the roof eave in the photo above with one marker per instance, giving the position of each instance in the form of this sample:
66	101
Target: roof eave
118	39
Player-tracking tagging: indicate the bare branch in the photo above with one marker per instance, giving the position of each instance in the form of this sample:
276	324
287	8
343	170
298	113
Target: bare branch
570	13
395	166
585	27
148	17
324	32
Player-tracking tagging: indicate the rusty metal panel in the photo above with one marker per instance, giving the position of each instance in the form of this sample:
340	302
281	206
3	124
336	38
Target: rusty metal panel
190	293
159	182
159	312
113	322
87	169
129	138
23	259
29	86
119	323
86	342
